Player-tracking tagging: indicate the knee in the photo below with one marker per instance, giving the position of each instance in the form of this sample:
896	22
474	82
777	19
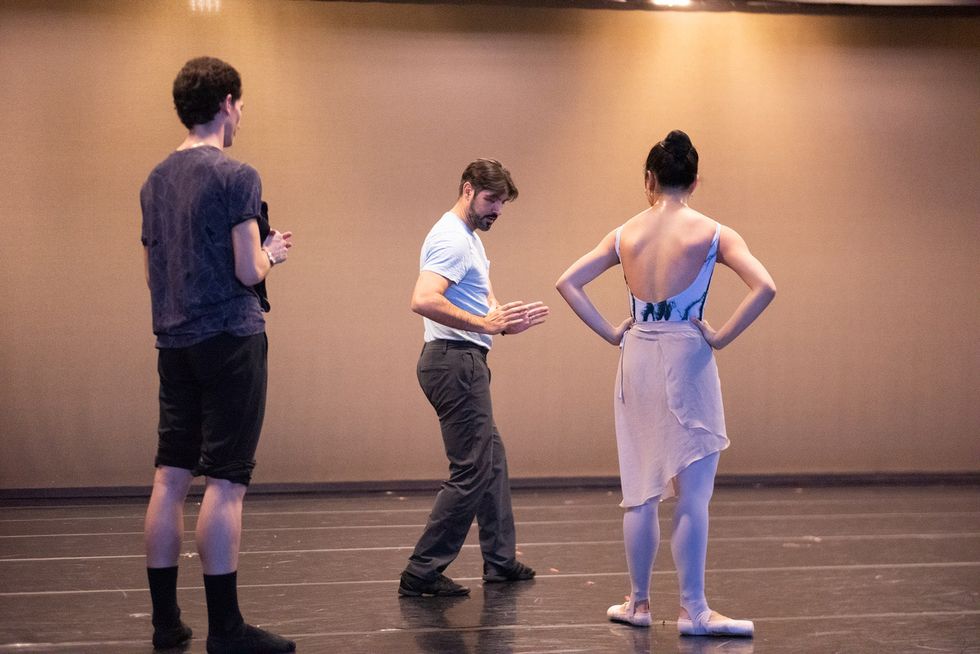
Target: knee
471	480
647	511
695	497
172	481
692	506
651	504
225	490
475	466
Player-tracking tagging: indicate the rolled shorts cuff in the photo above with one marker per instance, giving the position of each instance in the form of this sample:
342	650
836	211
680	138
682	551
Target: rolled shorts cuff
237	472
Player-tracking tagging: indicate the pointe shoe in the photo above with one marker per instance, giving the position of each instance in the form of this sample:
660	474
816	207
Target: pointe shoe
703	625
624	613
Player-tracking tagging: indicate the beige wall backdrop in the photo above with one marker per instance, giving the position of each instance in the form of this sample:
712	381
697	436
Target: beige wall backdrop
846	150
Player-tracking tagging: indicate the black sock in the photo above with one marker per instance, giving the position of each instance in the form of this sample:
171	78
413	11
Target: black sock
251	640
222	595
163	595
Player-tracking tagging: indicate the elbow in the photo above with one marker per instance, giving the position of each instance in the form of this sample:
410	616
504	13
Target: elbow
563	286
768	291
419	305
250	276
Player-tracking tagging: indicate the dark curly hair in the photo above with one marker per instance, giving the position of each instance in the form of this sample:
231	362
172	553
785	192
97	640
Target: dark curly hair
200	87
674	161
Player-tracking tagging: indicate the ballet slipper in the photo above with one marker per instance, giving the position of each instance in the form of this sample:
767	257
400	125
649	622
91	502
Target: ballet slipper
626	613
704	625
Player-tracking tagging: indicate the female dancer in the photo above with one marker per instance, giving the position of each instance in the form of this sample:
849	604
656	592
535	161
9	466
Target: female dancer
670	426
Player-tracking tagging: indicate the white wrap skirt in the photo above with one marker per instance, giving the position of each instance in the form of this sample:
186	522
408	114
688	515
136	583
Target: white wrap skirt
668	407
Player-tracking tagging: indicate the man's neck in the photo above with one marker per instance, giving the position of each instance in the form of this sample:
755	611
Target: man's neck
200	135
459	210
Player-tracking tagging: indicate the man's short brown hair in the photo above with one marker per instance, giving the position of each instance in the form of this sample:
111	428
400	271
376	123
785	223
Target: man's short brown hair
489	175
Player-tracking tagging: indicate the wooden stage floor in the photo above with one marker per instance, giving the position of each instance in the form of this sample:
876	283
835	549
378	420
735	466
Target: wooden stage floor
853	569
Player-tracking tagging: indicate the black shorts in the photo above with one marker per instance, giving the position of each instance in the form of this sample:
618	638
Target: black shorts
212	402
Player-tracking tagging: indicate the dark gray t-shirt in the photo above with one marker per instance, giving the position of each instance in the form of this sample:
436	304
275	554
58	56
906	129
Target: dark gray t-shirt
190	203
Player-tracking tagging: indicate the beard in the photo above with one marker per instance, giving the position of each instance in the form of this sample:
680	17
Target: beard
481	222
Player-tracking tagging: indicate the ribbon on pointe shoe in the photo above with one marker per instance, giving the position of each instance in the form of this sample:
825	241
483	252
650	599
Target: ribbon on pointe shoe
703	625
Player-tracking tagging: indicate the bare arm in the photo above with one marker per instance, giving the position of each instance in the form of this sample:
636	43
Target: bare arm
734	253
571	286
253	259
491	298
429	300
536	313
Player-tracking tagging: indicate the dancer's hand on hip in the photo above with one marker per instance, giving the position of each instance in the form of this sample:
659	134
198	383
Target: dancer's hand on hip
617	336
710	335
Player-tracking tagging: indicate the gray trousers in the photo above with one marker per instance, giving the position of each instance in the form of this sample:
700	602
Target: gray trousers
456	380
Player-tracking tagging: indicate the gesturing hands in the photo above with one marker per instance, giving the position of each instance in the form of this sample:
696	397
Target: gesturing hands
276	244
535	313
515	317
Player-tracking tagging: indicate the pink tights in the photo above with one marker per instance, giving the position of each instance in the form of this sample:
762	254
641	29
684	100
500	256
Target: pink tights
688	543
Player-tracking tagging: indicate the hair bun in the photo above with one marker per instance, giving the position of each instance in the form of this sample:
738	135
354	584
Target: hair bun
677	143
674	160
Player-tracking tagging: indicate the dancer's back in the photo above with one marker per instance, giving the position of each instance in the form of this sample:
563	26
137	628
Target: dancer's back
663	249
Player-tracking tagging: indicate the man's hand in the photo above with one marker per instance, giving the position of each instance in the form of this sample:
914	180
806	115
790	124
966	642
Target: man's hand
276	245
504	317
533	314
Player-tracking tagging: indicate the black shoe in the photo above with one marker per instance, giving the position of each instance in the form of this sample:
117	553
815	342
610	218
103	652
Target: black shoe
250	640
517	572
441	586
173	636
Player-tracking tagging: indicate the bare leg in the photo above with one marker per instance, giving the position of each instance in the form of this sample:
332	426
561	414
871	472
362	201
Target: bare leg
163	532
219	526
219	537
163	529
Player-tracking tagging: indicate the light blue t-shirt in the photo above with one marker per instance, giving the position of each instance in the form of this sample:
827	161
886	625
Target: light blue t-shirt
454	251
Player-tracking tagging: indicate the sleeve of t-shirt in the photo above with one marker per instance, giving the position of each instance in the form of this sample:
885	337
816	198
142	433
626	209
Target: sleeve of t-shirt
245	197
144	236
447	255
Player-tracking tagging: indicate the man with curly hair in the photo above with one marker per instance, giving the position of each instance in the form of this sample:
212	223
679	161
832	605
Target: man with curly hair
203	256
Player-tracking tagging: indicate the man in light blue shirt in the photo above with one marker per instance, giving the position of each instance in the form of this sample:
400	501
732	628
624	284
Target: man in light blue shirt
454	296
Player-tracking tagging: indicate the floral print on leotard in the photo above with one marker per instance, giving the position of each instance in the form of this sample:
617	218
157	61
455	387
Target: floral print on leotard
687	304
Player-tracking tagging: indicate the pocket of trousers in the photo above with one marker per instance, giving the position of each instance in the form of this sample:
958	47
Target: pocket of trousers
447	380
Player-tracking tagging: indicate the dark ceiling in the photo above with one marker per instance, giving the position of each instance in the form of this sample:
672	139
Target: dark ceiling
890	7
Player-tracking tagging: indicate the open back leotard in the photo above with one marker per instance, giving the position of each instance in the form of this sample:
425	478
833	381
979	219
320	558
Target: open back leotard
687	304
